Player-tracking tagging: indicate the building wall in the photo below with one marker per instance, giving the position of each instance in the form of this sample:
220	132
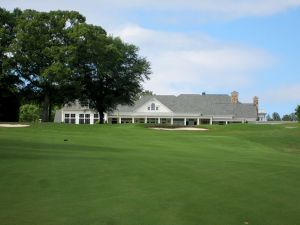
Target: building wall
77	117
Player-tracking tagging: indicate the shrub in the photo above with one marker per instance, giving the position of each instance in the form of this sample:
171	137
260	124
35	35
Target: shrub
29	113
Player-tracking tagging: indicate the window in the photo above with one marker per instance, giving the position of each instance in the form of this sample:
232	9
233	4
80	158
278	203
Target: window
149	108
87	119
152	106
156	107
96	118
73	118
67	118
81	118
84	118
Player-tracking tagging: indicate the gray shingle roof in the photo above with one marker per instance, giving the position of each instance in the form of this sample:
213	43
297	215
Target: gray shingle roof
201	104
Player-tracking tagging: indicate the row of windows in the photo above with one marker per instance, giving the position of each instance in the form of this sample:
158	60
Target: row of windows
67	115
83	118
152	107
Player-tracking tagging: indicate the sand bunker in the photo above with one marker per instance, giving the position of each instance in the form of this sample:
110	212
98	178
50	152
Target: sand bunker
181	128
13	125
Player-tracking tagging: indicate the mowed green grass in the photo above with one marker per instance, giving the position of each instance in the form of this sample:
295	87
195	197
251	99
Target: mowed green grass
131	175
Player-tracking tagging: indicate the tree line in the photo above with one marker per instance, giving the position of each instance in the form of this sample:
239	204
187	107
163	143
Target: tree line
295	116
52	58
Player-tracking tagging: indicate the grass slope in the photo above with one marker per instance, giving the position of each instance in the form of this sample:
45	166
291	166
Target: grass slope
130	175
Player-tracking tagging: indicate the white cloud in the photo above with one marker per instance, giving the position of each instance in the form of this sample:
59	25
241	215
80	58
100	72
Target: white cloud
191	63
112	12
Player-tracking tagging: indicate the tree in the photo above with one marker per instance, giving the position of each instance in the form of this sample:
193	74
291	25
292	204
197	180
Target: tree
110	71
29	113
287	117
276	116
143	93
41	54
269	117
298	112
9	94
293	117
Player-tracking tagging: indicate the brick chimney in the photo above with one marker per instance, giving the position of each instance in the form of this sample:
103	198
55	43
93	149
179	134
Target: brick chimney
234	97
255	102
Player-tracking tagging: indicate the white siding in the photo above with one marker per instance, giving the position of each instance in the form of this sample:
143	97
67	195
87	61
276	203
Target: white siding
145	108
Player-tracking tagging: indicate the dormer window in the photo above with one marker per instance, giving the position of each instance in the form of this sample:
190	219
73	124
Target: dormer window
152	107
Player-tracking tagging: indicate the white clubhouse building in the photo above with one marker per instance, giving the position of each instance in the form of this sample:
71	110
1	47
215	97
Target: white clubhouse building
184	110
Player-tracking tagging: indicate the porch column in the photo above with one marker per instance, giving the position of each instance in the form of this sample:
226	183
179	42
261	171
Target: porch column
132	119
77	118
145	119
211	121
171	120
158	120
226	122
184	121
198	121
120	119
92	118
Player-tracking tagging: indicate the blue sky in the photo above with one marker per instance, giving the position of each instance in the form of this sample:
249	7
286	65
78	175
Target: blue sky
251	46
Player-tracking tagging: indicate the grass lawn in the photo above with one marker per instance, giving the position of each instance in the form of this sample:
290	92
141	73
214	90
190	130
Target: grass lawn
131	175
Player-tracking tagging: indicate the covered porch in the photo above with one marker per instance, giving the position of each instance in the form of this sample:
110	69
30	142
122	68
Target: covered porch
175	120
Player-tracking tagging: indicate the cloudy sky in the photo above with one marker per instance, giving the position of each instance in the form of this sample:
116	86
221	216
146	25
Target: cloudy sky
251	46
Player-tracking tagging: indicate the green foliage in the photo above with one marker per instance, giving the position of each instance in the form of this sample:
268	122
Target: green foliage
287	117
143	93
59	58
276	116
29	113
42	53
7	33
130	175
297	112
110	71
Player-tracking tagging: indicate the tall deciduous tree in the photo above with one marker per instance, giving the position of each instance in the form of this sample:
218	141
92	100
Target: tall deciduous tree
41	53
276	116
9	101
110	71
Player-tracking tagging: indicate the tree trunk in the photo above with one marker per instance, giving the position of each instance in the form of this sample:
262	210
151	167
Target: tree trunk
101	114
50	111
45	114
